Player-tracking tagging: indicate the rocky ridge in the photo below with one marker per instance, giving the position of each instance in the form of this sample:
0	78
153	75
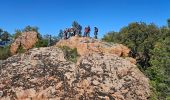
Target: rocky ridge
87	45
45	74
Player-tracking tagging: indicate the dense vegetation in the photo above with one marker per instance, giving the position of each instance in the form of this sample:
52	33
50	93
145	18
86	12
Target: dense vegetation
6	39
4	53
150	46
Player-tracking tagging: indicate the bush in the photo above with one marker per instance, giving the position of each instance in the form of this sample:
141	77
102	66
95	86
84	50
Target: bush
5	53
70	54
159	71
41	43
154	94
17	34
20	49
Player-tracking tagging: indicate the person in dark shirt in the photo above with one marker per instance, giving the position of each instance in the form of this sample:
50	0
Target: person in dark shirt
95	32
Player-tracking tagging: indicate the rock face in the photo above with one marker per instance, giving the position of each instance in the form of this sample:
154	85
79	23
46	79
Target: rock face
88	45
44	74
26	40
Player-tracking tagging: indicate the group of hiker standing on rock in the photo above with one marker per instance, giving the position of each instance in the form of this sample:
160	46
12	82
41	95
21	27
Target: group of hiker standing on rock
69	32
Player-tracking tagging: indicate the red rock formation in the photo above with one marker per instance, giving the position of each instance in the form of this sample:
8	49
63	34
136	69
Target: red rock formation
45	74
26	40
86	45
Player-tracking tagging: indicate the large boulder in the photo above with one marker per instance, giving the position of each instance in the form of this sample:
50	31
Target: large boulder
26	41
45	74
86	45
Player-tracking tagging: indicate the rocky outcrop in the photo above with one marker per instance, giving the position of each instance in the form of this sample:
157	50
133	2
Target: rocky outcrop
45	74
88	45
26	41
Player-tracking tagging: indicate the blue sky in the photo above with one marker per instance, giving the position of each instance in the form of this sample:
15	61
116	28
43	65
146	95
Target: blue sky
108	15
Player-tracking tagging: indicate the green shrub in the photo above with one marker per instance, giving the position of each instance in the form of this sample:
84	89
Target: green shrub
168	98
154	94
4	53
20	49
70	54
17	34
41	43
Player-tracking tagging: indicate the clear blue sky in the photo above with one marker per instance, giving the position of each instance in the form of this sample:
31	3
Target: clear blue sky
107	15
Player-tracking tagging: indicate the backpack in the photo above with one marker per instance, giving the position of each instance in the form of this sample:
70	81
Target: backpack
96	29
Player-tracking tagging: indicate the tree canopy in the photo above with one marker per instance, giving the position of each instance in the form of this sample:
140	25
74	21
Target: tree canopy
169	22
30	28
77	26
150	46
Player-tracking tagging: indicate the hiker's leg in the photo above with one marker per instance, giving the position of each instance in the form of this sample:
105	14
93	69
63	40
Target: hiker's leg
88	34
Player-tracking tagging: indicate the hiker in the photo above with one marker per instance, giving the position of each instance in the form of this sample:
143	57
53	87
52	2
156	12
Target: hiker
74	32
95	32
88	32
65	33
68	34
85	31
71	31
77	32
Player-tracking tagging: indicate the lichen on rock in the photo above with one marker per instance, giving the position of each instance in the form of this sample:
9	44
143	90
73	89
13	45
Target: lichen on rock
44	73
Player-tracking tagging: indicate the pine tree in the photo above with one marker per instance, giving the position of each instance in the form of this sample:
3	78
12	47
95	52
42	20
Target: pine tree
60	34
78	27
169	23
